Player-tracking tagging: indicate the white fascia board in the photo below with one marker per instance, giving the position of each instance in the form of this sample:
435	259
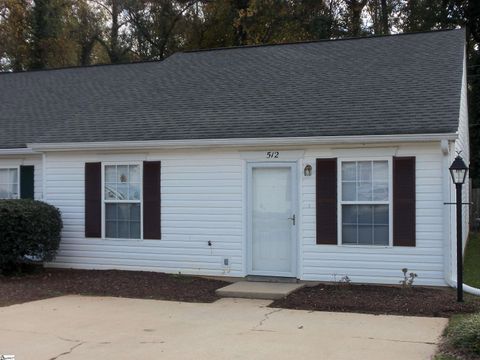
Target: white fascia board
18	151
239	142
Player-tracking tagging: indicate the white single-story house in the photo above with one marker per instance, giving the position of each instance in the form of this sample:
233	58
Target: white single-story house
309	160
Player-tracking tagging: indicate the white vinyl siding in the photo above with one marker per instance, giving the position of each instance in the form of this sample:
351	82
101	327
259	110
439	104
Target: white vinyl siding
201	202
381	264
203	199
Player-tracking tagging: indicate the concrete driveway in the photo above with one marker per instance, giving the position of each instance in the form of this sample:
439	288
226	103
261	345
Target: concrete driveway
75	327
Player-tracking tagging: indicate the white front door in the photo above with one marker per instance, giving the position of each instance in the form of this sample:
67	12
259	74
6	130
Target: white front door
272	219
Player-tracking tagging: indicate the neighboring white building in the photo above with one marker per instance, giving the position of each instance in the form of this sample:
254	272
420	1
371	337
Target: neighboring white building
308	160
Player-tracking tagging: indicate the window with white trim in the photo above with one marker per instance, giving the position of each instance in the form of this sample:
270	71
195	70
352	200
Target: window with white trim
122	201
9	184
365	203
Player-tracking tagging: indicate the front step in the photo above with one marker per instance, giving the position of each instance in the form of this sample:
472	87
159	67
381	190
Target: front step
272	279
258	290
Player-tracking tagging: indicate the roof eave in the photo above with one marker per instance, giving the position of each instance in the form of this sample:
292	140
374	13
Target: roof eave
239	142
18	151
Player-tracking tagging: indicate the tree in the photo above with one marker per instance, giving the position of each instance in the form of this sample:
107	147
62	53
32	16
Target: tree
154	24
354	16
87	30
14	34
52	45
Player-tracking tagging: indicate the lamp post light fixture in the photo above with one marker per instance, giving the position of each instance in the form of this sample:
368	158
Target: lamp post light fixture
458	171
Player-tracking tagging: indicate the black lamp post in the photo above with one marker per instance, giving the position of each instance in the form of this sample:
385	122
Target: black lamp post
459	170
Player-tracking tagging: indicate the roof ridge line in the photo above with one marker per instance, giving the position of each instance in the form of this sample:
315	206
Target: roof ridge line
322	40
228	48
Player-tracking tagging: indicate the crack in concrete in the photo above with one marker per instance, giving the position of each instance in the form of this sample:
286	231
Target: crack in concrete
69	340
266	317
396	340
67	352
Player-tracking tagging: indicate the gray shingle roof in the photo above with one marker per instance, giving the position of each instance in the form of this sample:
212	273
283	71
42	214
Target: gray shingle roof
405	84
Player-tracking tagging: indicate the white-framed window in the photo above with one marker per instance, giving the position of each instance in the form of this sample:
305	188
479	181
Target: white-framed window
9	183
365	202
122	201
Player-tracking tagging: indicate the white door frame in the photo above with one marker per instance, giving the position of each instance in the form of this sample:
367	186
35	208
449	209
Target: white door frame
292	165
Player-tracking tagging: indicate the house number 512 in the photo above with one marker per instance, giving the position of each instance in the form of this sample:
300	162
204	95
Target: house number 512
272	154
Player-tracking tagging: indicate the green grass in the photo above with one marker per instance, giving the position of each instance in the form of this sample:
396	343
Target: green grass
445	357
472	261
457	323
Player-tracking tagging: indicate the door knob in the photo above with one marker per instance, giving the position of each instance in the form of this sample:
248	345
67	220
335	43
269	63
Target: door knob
292	218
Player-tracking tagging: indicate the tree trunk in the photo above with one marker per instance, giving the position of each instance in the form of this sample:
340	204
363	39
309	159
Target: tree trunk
355	9
385	27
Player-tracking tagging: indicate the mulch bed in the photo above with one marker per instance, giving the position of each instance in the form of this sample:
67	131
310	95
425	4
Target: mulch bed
377	299
46	283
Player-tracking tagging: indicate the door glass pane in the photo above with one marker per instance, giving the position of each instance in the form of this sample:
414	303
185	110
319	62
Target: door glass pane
271	227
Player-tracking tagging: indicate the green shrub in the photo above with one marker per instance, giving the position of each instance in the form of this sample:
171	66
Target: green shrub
28	229
463	334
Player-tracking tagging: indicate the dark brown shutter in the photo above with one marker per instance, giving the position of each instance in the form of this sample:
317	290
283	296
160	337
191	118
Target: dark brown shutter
93	200
404	217
27	177
326	190
151	200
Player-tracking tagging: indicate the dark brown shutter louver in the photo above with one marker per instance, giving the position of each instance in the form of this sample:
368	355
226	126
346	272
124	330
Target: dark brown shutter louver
404	217
326	198
151	200
27	182
93	200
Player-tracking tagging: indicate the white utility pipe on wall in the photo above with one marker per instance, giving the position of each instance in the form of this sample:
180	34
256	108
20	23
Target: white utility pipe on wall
466	288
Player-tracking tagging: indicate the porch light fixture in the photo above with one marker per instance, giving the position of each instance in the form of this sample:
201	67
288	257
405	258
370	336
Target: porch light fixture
308	170
458	171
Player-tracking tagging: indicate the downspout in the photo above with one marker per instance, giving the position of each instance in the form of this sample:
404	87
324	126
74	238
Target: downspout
44	177
466	288
448	274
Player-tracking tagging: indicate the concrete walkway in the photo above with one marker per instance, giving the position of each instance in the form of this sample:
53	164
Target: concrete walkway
75	327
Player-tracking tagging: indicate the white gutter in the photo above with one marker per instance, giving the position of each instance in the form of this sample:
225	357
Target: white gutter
280	141
18	151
